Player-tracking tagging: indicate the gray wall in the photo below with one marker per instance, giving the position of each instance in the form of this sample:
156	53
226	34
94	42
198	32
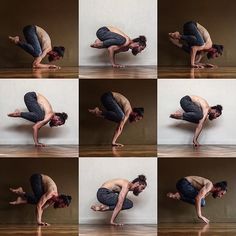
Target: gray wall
217	210
16	172
217	17
58	18
97	131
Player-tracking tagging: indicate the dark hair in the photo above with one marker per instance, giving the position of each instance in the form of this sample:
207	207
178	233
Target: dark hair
222	185
63	116
59	50
139	110
65	198
219	49
141	40
141	179
218	108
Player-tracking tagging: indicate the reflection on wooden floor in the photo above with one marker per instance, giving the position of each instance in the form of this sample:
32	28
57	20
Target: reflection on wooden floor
202	151
213	229
32	151
20	230
129	72
64	72
187	72
126	230
126	151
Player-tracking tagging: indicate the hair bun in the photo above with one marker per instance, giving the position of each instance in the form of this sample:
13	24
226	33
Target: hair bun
219	107
142	178
64	115
142	38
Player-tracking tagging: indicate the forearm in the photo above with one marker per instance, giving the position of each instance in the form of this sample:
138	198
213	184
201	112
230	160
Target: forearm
115	213
193	55
112	57
116	135
197	132
39	213
198	207
35	135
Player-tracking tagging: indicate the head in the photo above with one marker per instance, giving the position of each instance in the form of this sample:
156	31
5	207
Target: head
220	189
62	201
215	112
215	51
56	53
58	119
139	45
140	184
136	114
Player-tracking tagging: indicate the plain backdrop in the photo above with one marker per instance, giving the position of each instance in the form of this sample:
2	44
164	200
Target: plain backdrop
219	131
95	171
62	95
133	17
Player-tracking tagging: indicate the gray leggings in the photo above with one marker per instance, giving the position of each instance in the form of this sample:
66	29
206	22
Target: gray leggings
109	38
109	198
193	113
35	113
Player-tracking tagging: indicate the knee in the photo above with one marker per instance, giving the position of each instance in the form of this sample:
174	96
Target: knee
120	116
203	203
129	204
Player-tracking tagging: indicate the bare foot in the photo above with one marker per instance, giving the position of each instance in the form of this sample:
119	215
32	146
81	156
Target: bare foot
18	201
176	42
177	115
16	113
15	39
17	190
96	111
175	196
99	208
97	44
175	35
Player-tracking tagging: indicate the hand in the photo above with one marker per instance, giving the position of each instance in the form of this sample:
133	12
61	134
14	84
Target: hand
210	66
43	224
196	143
54	67
204	219
117	66
40	145
197	66
116	224
117	145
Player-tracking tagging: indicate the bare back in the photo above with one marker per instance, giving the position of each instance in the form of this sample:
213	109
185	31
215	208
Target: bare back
49	185
44	104
115	30
205	34
201	102
44	39
123	102
199	182
116	185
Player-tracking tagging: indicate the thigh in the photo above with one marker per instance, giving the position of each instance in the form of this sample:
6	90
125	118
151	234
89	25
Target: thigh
110	103
186	189
37	185
31	36
31	103
107	197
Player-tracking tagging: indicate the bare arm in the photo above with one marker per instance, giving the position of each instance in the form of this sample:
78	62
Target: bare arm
122	196
198	130
193	53
118	132
37	62
112	50
202	193
40	208
37	127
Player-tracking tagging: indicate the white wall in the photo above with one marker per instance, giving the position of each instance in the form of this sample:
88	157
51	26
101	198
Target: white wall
63	96
95	171
219	131
133	17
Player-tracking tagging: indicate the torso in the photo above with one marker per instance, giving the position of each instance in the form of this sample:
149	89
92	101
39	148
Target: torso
206	36
123	102
44	104
199	182
44	39
202	103
115	185
49	185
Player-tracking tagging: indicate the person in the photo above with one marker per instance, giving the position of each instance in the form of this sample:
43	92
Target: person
113	195
194	190
196	41
197	110
38	44
116	42
117	109
45	194
40	112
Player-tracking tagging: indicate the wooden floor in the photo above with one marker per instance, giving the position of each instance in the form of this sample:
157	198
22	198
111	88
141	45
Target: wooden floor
32	151
187	72
21	230
64	72
213	229
126	230
126	151
129	72
202	151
